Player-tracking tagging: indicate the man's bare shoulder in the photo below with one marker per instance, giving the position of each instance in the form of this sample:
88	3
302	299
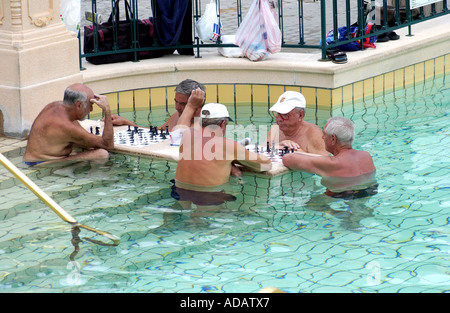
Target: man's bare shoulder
311	127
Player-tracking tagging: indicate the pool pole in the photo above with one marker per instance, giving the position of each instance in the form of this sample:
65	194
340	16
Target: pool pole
49	201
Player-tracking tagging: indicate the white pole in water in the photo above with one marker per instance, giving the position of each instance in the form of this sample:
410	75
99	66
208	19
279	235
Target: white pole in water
49	201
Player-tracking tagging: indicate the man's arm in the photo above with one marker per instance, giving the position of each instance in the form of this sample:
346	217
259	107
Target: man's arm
316	164
82	138
171	122
118	120
195	101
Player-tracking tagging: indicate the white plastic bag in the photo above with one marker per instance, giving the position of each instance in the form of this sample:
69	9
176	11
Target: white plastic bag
70	11
208	26
230	52
259	34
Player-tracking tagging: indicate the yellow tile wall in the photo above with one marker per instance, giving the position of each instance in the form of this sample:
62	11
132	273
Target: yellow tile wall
243	94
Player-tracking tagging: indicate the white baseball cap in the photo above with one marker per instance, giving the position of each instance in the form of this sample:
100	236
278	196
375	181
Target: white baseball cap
289	101
215	110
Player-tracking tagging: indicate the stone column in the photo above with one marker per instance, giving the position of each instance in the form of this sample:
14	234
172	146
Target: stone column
38	60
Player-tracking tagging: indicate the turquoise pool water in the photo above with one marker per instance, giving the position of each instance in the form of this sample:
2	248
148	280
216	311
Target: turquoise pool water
281	232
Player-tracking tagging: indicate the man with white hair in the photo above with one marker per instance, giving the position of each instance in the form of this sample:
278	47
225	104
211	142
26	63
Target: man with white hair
292	130
346	170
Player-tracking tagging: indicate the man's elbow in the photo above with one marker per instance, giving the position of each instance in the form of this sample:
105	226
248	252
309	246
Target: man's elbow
108	145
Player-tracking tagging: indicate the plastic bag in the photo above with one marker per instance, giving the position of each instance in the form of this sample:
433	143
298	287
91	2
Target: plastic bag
230	52
208	26
259	34
70	11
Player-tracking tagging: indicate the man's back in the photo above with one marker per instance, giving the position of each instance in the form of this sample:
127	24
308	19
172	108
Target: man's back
207	161
48	137
350	163
197	164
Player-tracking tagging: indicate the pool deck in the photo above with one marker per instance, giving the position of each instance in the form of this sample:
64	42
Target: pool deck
430	40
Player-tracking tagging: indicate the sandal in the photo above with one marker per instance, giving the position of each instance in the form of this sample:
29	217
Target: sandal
393	36
337	56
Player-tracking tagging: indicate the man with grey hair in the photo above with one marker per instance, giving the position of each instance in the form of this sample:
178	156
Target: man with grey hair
56	130
346	170
182	93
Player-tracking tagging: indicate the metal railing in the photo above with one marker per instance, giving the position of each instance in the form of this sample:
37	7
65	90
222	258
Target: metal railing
304	24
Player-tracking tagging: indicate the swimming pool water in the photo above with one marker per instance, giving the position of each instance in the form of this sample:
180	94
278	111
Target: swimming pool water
280	231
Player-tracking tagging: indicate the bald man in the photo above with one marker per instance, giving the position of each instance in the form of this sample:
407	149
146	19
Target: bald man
56	130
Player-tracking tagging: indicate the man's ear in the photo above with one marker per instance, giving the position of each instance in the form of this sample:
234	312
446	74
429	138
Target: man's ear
333	138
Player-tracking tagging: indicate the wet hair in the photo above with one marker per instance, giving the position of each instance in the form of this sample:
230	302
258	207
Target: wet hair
72	96
188	85
342	128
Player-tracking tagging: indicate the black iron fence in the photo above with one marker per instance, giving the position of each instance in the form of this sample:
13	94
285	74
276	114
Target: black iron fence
304	24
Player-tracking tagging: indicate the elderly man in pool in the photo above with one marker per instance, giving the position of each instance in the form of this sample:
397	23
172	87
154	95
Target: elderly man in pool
348	173
56	130
291	130
182	94
206	156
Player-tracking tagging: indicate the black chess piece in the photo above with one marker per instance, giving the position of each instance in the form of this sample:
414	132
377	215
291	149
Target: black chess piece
97	130
268	147
92	131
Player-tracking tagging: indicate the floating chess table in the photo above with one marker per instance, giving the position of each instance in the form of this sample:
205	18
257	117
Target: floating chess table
156	144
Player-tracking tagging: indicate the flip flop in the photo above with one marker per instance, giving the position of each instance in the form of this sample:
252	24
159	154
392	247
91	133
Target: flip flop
393	36
388	36
337	56
383	37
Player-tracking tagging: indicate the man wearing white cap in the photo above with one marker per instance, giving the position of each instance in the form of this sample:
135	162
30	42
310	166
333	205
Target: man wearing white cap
206	156
291	129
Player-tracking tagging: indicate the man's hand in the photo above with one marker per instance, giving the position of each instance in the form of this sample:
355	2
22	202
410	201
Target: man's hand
102	102
196	99
290	144
194	103
119	121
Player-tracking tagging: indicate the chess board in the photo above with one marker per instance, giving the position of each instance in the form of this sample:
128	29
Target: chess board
162	149
140	137
274	154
